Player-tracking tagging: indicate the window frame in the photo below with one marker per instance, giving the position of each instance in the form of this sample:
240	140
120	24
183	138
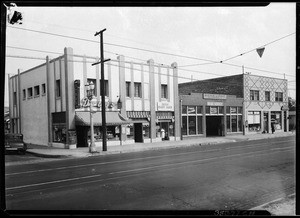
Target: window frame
138	88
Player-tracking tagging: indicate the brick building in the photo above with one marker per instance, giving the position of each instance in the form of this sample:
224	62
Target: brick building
239	104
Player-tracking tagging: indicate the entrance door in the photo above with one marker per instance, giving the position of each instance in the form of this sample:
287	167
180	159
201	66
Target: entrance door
82	136
138	132
214	126
266	122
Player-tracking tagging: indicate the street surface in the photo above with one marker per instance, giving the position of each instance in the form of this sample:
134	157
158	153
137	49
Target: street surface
227	176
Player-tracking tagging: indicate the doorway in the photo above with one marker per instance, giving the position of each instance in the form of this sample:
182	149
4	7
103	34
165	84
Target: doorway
138	132
214	126
82	136
266	122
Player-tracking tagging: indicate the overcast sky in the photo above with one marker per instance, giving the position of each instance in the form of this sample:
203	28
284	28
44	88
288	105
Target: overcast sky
202	34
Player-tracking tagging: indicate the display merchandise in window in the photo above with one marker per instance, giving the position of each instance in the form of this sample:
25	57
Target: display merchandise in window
59	134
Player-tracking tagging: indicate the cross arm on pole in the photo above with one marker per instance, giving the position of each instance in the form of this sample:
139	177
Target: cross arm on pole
101	62
100	32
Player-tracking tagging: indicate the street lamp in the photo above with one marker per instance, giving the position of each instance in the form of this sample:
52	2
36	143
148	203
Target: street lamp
90	94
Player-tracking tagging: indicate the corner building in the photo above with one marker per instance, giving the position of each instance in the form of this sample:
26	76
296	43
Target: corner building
240	104
49	104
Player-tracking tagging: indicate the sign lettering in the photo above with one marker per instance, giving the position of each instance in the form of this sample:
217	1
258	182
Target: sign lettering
214	96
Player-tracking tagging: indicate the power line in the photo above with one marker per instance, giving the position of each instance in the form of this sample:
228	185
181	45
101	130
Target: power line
193	71
60	35
180	77
111	44
257	47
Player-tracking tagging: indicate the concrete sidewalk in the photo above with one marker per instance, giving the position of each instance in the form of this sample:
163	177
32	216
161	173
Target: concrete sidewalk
52	152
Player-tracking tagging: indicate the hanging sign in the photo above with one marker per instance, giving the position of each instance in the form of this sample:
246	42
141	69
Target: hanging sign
260	51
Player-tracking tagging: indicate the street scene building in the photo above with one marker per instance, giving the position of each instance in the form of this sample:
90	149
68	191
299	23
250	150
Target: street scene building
239	104
53	109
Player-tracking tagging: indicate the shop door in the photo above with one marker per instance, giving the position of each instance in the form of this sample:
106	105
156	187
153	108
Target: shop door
138	132
165	126
82	136
266	122
214	126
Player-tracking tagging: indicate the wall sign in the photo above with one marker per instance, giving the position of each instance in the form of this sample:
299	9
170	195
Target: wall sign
165	106
214	96
215	103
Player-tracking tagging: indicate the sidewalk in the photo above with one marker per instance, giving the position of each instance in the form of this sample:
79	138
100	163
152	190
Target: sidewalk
52	152
285	206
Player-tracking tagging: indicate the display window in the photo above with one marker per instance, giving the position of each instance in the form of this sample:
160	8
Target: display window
276	119
254	121
59	133
192	123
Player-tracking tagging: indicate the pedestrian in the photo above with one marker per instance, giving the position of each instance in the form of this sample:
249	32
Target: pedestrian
273	127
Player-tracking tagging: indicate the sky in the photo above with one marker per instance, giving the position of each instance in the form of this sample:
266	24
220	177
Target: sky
197	36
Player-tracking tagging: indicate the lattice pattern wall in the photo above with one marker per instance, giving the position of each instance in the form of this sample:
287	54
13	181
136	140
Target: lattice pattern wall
263	84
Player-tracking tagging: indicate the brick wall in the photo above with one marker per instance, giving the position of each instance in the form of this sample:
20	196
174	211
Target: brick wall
230	85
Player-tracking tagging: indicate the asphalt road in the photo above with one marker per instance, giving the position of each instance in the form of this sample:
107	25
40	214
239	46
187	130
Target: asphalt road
227	176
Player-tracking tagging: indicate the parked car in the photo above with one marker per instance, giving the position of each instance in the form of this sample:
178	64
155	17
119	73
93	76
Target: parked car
14	142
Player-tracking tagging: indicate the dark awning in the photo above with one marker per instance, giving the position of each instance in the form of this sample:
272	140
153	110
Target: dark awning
113	118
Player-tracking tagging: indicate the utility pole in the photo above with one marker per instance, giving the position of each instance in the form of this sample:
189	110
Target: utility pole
103	110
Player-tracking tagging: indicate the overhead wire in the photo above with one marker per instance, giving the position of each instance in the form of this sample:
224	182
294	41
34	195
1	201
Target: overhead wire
131	68
257	47
212	62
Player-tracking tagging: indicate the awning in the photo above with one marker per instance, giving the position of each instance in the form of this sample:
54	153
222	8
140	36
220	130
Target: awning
113	118
139	121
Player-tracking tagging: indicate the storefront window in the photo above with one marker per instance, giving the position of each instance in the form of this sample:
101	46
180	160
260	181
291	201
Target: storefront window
207	110
276	119
240	123
228	123
192	125
129	131
191	109
171	129
146	130
199	109
184	109
234	123
254	121
221	110
199	124
240	110
59	133
227	110
184	125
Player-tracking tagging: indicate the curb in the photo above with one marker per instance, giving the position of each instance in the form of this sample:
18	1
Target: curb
47	155
149	148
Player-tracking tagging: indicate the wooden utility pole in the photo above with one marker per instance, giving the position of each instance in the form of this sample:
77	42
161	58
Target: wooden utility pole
104	128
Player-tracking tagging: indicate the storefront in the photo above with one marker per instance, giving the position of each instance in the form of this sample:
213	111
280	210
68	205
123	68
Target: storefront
114	121
204	114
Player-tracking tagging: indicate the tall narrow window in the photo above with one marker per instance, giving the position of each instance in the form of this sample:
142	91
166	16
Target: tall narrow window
254	95
24	94
128	86
164	91
95	85
58	88
29	92
138	90
43	88
278	96
267	96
